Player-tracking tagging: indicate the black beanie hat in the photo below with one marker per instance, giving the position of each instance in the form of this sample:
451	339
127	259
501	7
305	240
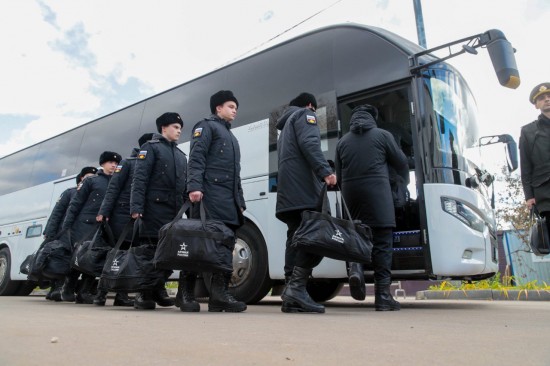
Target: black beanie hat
370	109
84	171
167	119
109	156
303	100
144	138
220	98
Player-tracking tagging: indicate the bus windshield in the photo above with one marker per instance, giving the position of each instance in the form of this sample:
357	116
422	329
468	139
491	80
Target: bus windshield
455	111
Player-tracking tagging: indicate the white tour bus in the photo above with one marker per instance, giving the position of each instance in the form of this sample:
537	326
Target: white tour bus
446	229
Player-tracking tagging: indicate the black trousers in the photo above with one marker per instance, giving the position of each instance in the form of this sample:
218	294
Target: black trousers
382	254
294	256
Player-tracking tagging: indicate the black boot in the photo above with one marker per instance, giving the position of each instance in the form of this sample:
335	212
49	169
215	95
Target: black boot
84	295
162	298
185	298
357	281
295	296
69	286
144	301
122	299
101	298
56	293
220	298
52	288
383	300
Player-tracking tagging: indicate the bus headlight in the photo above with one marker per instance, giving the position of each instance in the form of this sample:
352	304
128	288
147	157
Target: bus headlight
463	213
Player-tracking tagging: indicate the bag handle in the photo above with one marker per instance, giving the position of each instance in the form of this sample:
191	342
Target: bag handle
131	224
323	202
185	206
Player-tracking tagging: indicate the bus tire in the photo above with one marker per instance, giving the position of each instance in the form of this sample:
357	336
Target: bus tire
25	288
7	286
250	281
321	291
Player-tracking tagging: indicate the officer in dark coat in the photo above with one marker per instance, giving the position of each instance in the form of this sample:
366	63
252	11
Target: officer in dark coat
55	221
81	220
363	158
534	152
115	209
302	170
158	191
215	178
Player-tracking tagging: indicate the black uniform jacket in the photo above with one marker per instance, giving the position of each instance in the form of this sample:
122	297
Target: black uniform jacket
158	184
84	207
362	159
53	226
302	165
116	204
215	170
534	150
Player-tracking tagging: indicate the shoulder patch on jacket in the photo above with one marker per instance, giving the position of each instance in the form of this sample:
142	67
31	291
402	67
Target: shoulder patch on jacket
142	154
197	132
118	168
311	119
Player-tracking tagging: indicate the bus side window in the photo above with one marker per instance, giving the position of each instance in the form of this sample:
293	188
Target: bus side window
34	231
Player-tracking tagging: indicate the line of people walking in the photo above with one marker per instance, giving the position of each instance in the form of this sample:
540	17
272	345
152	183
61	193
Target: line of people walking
154	182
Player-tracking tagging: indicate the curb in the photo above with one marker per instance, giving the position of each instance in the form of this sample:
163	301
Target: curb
510	295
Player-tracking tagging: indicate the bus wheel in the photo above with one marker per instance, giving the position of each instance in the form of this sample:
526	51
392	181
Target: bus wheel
250	281
7	286
323	290
26	288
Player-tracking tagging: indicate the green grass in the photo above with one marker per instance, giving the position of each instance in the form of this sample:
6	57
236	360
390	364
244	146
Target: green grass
493	283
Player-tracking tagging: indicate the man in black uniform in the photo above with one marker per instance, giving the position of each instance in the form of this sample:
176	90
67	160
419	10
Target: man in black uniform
158	191
302	169
115	209
53	226
363	158
215	178
81	220
534	152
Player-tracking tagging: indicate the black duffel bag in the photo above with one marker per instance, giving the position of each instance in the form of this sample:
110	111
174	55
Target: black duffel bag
54	260
131	270
333	237
197	245
33	265
539	241
90	255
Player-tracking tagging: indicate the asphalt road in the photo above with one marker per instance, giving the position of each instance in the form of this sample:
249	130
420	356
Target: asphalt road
445	332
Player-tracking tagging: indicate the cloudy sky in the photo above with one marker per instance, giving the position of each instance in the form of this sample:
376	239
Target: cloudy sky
67	62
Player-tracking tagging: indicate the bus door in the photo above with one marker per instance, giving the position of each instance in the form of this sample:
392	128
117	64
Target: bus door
329	126
410	256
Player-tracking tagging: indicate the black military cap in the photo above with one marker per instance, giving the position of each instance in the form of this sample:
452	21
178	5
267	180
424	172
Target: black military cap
144	138
539	90
167	119
220	98
303	100
84	171
109	156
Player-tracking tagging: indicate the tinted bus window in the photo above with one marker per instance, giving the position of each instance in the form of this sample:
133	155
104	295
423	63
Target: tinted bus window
17	170
34	231
117	132
57	157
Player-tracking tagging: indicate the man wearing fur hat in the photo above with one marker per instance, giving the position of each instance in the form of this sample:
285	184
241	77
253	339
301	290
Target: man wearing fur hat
302	169
158	192
535	155
53	226
81	220
214	178
115	209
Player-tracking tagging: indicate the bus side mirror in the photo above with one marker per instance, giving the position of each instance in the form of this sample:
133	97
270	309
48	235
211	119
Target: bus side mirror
510	147
511	153
502	57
